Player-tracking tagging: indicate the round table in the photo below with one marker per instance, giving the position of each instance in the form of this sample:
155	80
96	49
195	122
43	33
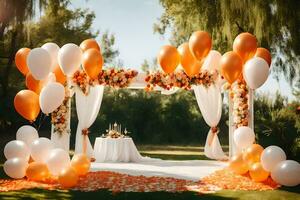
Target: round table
116	150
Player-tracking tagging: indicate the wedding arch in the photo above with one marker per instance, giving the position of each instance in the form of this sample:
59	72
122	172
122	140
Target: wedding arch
77	70
207	87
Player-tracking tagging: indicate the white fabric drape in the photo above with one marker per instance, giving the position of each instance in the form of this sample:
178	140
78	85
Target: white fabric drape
210	103
87	108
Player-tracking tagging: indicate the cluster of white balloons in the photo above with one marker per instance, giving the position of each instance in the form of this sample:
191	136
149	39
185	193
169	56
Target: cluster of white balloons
273	158
28	144
284	172
42	61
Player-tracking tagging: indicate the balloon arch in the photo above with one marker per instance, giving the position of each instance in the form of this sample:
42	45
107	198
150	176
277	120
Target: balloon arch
54	75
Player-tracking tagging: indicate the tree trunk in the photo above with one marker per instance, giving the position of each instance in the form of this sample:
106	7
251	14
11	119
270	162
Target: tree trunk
6	72
2	29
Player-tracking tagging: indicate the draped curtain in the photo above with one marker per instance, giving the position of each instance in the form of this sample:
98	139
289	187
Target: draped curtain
87	107
210	103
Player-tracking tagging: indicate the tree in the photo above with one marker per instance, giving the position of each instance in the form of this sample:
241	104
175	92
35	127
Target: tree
108	52
145	66
275	23
13	14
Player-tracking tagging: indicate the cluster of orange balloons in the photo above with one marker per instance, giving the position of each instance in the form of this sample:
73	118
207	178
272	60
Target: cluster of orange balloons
80	165
68	177
244	48
92	60
190	54
249	160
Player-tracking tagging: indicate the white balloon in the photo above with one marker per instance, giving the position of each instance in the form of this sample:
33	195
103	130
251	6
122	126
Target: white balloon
271	156
40	149
212	61
287	173
51	97
52	49
243	137
69	58
256	72
39	63
15	167
27	134
58	160
16	149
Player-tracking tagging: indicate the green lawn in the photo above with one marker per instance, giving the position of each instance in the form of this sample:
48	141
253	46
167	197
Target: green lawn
164	152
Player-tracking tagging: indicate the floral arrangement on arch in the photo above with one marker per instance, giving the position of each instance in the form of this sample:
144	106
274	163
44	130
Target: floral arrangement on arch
180	79
117	78
239	94
60	115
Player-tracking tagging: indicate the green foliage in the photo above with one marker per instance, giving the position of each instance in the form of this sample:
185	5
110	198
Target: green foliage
275	23
61	25
278	123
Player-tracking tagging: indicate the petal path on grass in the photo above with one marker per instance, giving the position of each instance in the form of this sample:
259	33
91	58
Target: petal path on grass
116	182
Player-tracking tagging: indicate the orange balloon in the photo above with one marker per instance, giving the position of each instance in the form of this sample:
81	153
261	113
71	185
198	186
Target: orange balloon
265	54
60	76
200	44
92	62
238	165
33	84
21	60
257	172
189	63
68	177
252	154
168	58
81	164
37	171
26	103
231	66
89	44
245	45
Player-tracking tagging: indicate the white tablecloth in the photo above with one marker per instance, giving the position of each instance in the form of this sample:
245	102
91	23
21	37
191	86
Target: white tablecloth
116	150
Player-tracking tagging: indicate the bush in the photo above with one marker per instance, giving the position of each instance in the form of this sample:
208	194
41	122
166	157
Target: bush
278	123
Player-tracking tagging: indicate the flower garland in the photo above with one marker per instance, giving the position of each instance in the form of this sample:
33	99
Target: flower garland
81	80
60	115
117	78
179	79
240	94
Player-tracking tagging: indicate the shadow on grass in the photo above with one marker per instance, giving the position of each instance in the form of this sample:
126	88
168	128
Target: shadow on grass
176	157
104	194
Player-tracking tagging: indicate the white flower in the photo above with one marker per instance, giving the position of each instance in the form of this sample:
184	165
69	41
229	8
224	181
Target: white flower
115	78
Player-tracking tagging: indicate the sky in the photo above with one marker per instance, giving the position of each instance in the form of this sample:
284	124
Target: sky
132	23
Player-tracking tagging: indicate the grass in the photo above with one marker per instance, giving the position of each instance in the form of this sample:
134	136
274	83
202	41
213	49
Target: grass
171	152
164	152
